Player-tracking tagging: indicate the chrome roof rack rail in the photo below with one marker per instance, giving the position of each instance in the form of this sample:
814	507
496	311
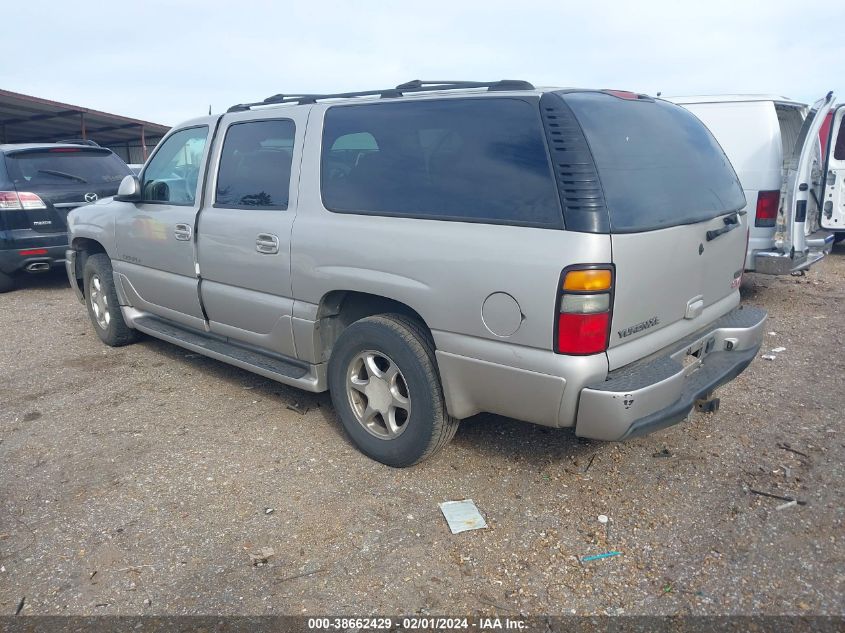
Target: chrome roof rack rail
417	85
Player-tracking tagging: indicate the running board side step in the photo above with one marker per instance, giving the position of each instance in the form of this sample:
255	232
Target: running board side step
290	372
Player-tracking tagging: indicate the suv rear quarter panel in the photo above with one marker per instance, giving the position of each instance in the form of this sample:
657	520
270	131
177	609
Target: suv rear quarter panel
446	271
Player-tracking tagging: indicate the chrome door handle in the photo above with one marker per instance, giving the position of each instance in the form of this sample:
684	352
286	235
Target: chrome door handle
267	243
182	232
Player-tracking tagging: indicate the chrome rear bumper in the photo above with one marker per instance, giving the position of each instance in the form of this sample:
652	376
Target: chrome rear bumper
659	391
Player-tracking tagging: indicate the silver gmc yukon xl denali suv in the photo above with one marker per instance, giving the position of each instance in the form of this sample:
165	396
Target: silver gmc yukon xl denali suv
570	258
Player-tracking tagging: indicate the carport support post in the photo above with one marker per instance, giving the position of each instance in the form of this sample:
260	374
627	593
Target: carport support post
82	129
143	144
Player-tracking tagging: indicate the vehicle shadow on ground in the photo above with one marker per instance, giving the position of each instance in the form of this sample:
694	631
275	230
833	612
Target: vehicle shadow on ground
494	435
497	436
753	285
52	279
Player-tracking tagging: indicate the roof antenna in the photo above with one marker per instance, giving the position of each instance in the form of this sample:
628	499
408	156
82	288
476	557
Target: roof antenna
658	94
209	108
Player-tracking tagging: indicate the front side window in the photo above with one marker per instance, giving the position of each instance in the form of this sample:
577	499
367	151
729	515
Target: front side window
472	160
173	173
255	165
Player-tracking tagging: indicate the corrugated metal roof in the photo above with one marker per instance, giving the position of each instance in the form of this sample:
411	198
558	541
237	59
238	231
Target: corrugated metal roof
28	119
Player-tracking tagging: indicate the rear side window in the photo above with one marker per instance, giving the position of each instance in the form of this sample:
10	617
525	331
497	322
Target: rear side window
659	166
63	166
472	160
255	165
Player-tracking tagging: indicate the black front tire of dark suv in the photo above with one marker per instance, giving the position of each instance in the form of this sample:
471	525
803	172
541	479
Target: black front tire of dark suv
7	282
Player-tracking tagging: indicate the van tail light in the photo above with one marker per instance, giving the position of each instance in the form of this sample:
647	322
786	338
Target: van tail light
13	200
767	208
584	305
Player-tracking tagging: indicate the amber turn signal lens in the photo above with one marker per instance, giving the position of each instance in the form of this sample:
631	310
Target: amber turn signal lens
587	280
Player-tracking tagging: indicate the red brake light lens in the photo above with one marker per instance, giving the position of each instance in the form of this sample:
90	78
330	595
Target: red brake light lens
9	200
23	200
32	251
767	208
623	94
582	333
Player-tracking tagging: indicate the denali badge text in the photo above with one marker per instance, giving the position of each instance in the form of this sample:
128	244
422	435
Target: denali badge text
639	327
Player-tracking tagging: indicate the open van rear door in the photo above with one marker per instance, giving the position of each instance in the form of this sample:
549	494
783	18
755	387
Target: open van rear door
801	192
833	207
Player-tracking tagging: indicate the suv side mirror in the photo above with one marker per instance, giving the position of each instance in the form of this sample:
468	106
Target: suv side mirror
129	190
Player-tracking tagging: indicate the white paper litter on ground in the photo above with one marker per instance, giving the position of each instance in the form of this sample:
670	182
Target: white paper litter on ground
768	357
462	516
778	350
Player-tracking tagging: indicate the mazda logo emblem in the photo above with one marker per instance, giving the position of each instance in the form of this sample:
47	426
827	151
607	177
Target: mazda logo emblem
90	197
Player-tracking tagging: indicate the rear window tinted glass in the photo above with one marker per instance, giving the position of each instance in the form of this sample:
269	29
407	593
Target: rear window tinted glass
477	160
66	166
659	165
839	145
255	165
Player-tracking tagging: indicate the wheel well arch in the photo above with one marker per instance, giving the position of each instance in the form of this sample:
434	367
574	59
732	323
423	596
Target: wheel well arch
85	247
339	309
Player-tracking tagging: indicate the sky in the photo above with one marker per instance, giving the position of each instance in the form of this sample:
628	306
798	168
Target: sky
169	61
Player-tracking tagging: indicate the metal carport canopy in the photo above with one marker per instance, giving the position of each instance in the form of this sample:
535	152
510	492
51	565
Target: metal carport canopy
27	119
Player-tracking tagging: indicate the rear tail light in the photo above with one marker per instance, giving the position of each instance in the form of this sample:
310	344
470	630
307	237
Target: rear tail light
20	200
584	303
768	203
32	251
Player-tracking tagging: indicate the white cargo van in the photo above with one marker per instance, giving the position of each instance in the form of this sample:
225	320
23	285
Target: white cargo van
833	208
773	144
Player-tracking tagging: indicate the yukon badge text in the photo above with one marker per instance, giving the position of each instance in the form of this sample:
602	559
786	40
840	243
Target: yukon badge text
639	327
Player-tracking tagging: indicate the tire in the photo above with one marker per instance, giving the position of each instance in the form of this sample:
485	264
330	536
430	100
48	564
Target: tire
102	303
377	344
7	282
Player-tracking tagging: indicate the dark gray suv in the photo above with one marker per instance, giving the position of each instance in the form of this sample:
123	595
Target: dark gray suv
39	185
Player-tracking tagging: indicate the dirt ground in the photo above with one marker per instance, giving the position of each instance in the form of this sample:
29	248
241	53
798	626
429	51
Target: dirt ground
138	481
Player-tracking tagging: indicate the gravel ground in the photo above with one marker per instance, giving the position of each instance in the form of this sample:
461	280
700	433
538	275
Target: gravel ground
138	481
